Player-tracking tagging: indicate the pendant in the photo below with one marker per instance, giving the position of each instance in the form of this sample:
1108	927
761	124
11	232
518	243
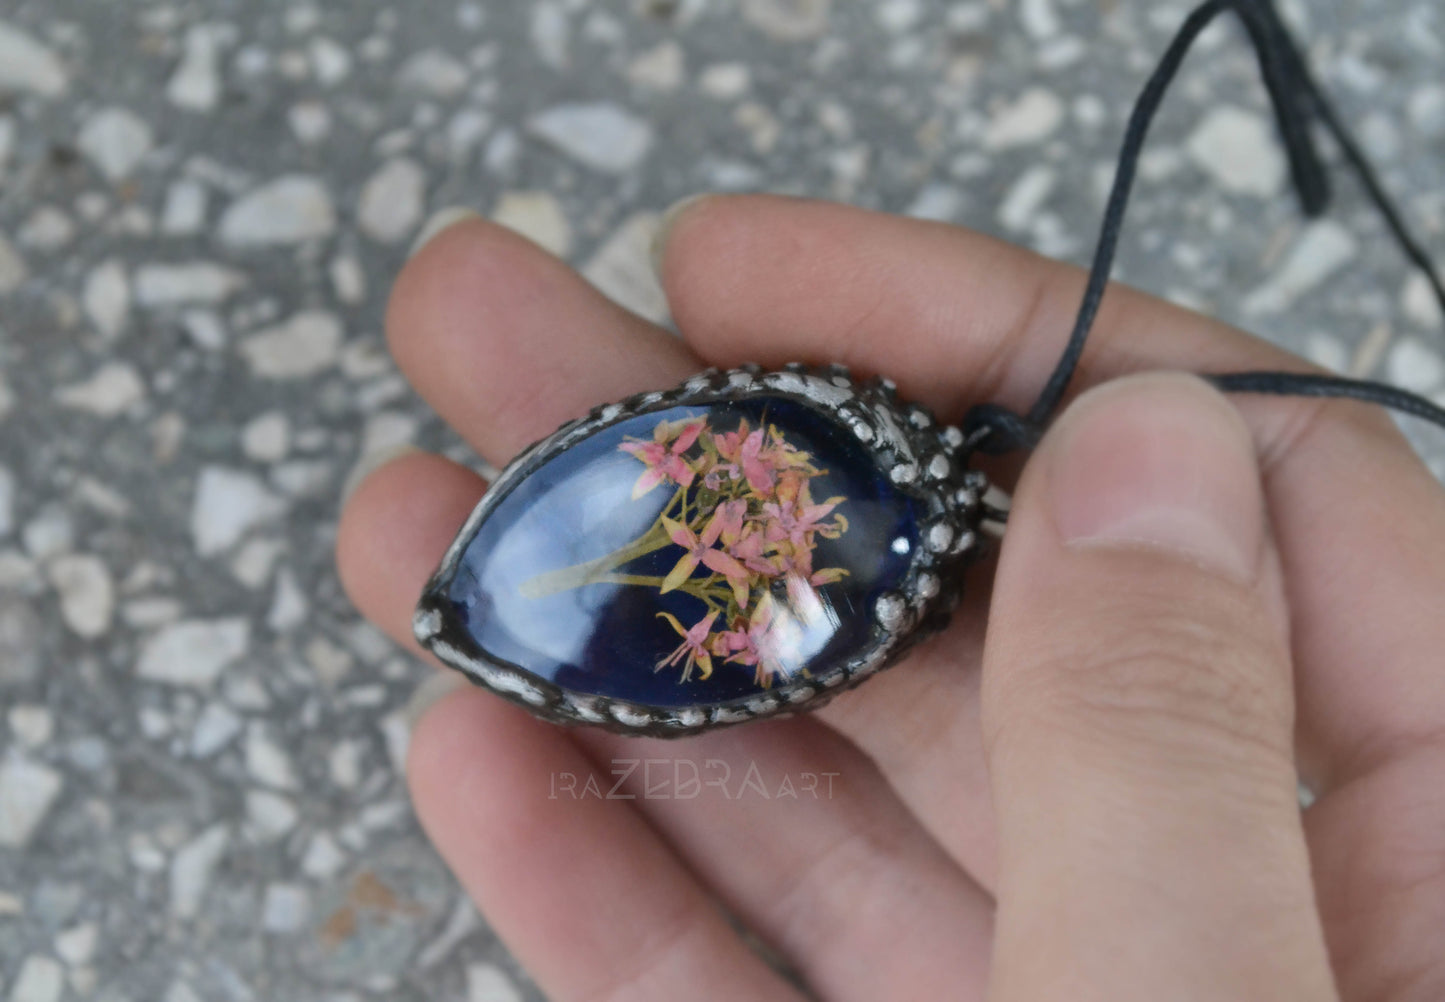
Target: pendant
745	545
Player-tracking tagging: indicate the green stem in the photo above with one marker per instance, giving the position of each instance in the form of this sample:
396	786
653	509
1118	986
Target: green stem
692	587
594	571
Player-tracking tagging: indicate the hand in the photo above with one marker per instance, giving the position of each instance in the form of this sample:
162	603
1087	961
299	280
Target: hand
1098	803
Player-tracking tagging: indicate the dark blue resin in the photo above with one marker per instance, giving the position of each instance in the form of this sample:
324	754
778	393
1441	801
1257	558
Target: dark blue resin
606	639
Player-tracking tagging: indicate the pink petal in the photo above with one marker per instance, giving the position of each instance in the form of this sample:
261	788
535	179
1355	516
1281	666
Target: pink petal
689	435
679	533
698	633
649	479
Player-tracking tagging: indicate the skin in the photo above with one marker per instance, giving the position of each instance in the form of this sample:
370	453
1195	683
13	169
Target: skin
1084	789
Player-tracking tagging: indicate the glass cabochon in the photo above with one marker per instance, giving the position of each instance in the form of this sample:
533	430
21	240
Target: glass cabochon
689	556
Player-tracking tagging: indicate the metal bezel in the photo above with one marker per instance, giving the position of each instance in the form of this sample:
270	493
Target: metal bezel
923	459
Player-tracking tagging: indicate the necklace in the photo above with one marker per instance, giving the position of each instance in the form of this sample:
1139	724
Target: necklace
750	543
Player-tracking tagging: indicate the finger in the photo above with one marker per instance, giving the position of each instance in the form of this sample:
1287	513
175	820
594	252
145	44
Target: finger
1138	714
805	841
837	875
393	532
956	317
1378	847
582	891
506	342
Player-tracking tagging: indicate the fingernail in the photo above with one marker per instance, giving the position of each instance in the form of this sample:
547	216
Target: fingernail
667	225
1159	461
369	463
443	219
437	686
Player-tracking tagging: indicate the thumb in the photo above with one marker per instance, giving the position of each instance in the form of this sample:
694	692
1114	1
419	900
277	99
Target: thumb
1138	713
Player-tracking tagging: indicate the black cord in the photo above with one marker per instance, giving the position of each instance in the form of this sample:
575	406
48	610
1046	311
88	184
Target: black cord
1297	99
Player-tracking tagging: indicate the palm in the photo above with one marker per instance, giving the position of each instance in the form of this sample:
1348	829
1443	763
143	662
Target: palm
880	887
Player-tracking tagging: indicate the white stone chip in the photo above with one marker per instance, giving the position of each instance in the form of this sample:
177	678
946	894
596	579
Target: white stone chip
538	216
32	725
725	81
269	815
267	437
551	33
898	16
116	140
1032	117
49	533
7	502
1239	150
1039	18
266	760
293	209
196	83
788	20
310	121
184	213
289	606
393	201
228	504
255	560
330	62
323	859
433	72
28	789
304	345
205	328
76	945
161	285
1418	303
110	392
661	68
13	270
285	908
87	593
1026	196
348	279
192	868
1321	250
601	135
193	652
1415	366
938	202
48	229
215	728
41	979
489	983
26	64
106	298
622	268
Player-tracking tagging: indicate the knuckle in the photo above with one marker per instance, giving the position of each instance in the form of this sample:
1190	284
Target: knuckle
1174	677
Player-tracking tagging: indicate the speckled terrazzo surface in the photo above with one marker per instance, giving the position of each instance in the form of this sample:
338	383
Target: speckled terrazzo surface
202	205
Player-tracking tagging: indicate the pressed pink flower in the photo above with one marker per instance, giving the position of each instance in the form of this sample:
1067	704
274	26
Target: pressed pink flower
663	455
718	474
744	450
755	646
693	650
731	517
794	520
700	550
751	550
